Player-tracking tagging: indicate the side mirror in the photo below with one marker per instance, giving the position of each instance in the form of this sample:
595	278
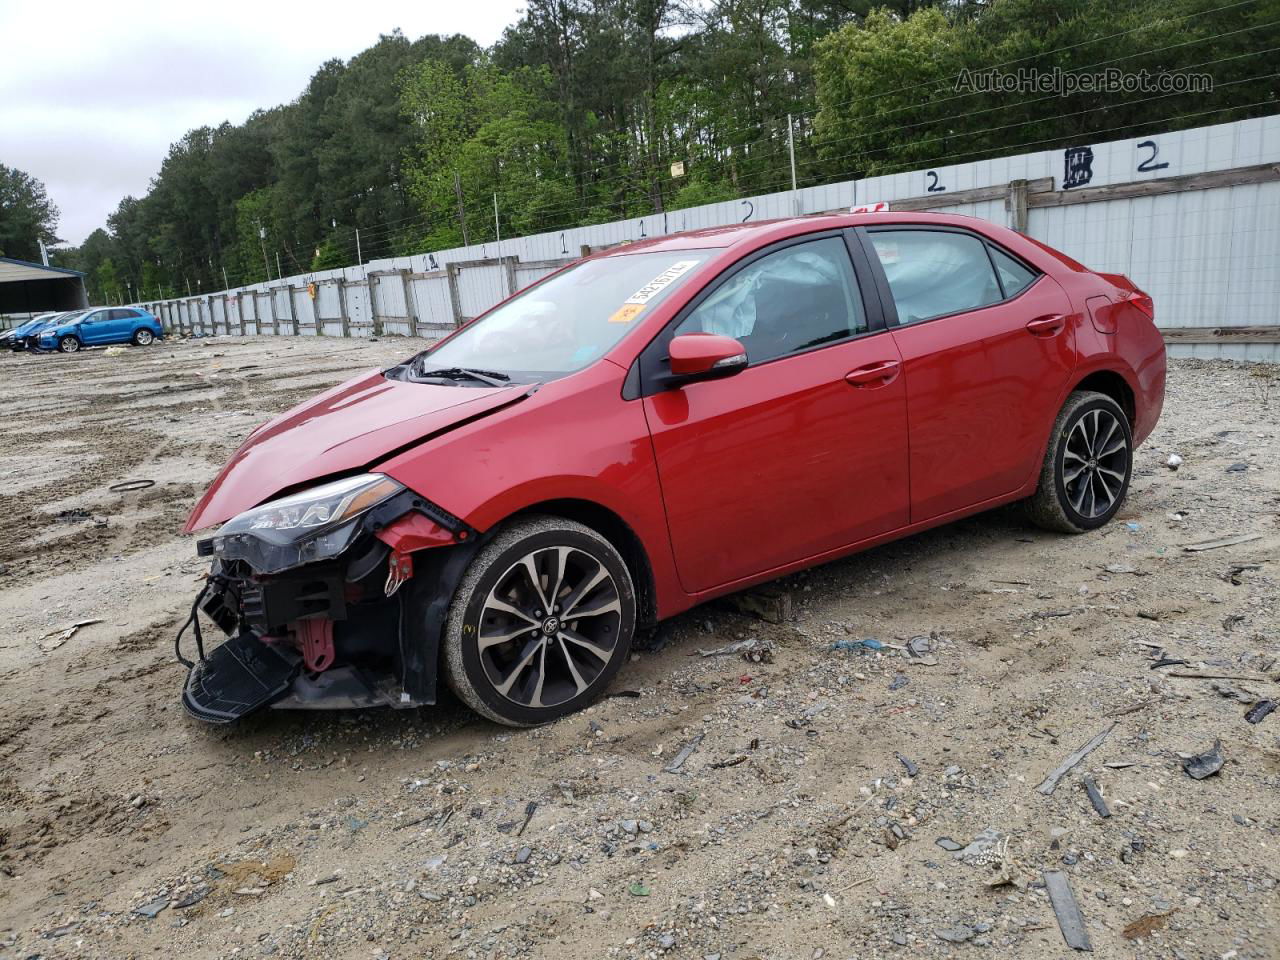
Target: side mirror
704	355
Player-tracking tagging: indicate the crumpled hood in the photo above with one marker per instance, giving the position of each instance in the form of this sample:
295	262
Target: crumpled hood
347	428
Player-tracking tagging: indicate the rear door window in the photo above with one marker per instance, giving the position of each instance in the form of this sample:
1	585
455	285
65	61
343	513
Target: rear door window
1014	276
933	273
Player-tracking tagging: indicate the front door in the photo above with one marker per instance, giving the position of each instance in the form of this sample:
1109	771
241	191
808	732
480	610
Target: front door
96	328
804	451
987	348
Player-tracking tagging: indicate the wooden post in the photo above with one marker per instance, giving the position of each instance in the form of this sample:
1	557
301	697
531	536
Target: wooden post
371	280
1016	204
509	271
411	313
344	319
293	310
455	295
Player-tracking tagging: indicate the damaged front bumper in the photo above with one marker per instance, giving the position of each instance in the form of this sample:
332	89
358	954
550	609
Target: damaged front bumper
350	618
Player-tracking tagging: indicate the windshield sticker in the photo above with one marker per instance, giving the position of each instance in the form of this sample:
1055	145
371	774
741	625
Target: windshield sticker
660	283
626	313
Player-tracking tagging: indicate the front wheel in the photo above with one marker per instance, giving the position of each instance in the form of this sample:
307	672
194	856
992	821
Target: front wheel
69	344
143	337
1087	465
541	622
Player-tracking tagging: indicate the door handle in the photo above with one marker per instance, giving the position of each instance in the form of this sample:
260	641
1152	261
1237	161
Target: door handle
877	374
1049	326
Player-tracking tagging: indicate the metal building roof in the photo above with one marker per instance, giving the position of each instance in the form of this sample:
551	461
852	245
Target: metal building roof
12	270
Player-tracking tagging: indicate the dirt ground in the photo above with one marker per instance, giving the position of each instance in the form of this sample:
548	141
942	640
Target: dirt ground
812	819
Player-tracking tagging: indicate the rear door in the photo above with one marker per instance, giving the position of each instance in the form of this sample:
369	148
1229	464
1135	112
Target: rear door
790	458
120	327
987	345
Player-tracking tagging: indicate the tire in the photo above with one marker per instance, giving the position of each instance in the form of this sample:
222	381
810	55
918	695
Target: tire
1081	488
545	673
69	344
142	337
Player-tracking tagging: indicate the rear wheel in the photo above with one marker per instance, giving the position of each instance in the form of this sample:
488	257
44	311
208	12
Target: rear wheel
541	622
142	337
69	344
1087	466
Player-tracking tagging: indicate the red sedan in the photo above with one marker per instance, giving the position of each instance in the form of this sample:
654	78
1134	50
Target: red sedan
651	427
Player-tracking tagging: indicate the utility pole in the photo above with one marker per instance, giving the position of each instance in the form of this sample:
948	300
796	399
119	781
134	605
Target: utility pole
791	149
188	280
262	242
497	226
225	285
462	210
44	251
359	255
279	272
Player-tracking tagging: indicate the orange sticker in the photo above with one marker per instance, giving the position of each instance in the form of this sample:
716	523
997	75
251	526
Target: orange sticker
626	313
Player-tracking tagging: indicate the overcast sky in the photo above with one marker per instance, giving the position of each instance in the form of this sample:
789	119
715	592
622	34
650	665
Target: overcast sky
93	93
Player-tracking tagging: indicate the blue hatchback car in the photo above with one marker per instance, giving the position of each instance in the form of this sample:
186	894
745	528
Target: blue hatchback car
27	335
102	326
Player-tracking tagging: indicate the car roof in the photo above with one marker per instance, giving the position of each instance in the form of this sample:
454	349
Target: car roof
753	234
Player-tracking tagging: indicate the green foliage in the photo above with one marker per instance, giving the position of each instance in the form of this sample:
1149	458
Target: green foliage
900	92
576	114
27	215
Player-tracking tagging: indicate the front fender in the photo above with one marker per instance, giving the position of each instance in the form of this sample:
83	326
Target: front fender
575	439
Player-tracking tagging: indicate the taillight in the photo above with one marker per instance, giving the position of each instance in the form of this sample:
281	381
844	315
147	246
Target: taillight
1144	303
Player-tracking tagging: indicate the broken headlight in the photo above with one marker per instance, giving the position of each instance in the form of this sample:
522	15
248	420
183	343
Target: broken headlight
317	524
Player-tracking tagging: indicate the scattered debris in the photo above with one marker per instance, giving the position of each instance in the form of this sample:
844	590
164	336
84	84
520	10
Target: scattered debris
1095	797
753	650
899	681
192	898
1119	568
870	643
1174	461
919	646
530	809
912	769
1235	693
1051	781
1143	927
76	515
1223	542
153	909
1232	576
1168	662
731	762
1260	711
1207	675
129	485
949	845
1205	764
1070	922
52	641
685	753
638	889
1237	468
981	849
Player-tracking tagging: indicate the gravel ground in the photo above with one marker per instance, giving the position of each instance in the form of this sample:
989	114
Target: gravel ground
843	798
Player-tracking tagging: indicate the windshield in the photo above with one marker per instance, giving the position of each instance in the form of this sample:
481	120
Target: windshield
566	322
